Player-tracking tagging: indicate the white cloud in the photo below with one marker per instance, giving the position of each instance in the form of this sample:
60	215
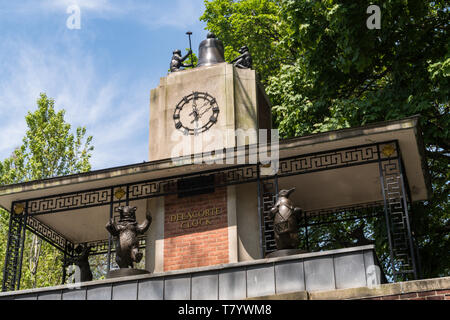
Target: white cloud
112	107
153	14
114	112
99	7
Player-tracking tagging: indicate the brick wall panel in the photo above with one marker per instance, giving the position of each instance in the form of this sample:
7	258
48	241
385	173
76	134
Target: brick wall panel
204	244
425	295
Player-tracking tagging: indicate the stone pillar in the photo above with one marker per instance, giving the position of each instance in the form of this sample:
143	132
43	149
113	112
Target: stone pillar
154	255
247	223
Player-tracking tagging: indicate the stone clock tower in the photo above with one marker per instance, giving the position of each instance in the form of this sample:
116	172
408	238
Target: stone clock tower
209	102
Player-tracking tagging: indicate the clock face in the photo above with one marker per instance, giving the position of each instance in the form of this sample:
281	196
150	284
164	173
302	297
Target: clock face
196	113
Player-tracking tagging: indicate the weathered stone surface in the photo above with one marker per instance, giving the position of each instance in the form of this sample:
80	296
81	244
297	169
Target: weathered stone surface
393	291
350	271
125	291
74	294
237	93
232	284
151	289
99	293
356	293
26	297
425	285
177	288
205	286
300	295
285	253
125	272
50	296
260	281
319	274
289	276
260	278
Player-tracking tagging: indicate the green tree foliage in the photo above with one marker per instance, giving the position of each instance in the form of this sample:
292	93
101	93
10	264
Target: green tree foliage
255	23
192	59
325	70
48	149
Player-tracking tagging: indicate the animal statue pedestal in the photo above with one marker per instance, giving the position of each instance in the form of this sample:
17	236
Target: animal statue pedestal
285	253
125	233
125	272
285	221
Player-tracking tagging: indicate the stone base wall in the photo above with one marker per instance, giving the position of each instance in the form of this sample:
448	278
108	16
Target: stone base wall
274	278
429	289
425	295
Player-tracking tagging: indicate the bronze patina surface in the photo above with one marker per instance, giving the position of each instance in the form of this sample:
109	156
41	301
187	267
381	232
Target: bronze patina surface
210	51
125	233
244	61
177	61
285	221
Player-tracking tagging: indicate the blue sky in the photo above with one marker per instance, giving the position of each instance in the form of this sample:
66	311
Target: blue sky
101	74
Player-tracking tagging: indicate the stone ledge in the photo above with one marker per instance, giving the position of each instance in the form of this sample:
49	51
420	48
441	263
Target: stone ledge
383	290
300	295
426	285
357	293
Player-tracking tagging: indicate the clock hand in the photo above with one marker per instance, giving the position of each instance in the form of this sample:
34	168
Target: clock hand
195	119
194	112
200	115
205	112
203	105
194	109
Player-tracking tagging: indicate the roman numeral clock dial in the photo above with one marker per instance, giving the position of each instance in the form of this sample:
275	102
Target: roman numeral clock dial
196	113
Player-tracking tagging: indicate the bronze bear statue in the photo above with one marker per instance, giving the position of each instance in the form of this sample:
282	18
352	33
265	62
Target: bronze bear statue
125	233
285	221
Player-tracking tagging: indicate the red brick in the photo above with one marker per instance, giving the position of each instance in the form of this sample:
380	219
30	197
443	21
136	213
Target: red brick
443	292
409	295
435	298
200	246
396	297
426	293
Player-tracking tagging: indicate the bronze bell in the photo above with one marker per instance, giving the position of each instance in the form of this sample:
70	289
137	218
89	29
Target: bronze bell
210	51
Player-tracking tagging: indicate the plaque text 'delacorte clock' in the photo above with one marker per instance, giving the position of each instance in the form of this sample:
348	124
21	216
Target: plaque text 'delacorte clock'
196	113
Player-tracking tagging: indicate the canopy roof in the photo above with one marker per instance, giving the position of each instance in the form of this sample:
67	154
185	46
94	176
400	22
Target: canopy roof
325	186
